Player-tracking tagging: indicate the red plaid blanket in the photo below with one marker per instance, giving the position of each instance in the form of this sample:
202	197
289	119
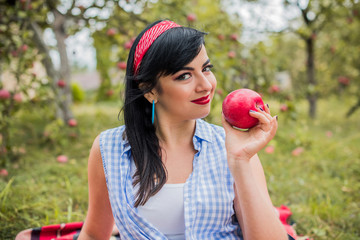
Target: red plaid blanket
70	231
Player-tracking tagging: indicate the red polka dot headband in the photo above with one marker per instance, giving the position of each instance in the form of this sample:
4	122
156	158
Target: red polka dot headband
148	38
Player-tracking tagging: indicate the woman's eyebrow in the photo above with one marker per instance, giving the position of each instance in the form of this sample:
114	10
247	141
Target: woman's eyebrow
190	68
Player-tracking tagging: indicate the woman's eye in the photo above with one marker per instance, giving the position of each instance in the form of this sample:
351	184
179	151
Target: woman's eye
184	76
208	68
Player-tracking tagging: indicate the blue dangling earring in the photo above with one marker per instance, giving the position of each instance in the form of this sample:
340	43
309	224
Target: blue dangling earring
153	112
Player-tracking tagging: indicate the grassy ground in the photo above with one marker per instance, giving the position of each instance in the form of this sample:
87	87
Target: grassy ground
321	185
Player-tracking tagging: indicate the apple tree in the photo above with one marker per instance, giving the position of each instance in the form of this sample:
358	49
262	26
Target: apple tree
223	43
20	86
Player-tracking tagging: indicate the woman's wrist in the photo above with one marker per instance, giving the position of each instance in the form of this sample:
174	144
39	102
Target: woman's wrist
238	159
238	164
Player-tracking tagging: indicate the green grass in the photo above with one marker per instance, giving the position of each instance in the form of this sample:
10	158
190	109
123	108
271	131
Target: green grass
321	186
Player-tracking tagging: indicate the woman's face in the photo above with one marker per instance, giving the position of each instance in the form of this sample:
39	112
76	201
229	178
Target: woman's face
187	94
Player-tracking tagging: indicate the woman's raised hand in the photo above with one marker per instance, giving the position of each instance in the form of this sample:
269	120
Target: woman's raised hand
243	145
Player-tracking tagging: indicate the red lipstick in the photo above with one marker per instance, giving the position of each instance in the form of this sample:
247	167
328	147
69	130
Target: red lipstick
202	100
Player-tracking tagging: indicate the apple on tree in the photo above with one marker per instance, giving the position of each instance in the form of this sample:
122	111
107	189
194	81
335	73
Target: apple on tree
4	172
236	107
231	54
233	37
4	94
121	65
128	44
111	32
191	17
61	83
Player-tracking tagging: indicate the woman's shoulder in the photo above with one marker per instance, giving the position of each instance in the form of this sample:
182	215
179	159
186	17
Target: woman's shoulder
113	133
113	137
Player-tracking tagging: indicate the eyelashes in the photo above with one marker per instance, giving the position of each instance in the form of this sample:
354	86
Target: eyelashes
208	68
183	76
187	75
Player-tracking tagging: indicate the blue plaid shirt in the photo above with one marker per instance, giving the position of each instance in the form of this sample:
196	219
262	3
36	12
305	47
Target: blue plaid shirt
208	192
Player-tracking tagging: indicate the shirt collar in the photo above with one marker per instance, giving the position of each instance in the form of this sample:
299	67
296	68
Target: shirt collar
203	130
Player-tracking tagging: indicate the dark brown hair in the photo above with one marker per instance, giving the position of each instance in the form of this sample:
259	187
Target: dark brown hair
171	51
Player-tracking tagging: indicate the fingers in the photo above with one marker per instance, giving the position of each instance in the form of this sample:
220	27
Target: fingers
265	119
274	126
265	111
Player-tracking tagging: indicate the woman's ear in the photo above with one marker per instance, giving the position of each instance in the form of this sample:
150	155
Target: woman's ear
151	95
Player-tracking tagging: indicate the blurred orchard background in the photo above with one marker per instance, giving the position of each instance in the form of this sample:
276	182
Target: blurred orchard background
61	83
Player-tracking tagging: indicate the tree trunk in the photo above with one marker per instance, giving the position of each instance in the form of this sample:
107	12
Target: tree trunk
50	70
310	71
46	60
65	96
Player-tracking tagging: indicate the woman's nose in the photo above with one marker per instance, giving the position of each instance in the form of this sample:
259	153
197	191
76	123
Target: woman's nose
204	83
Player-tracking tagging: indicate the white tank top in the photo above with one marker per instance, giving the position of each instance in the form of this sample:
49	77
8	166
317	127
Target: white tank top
165	210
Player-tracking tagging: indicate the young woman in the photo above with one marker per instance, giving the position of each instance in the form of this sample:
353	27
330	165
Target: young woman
167	174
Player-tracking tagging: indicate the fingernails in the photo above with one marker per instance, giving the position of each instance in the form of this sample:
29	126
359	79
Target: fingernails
276	117
261	109
267	105
252	111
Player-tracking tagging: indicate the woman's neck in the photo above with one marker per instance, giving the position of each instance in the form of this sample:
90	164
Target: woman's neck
176	134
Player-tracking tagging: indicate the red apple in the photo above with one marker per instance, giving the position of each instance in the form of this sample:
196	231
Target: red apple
111	32
62	159
191	17
109	92
274	89
297	151
61	83
221	37
233	37
283	108
121	65
17	97
236	107
4	172
72	122
270	149
4	94
231	54
329	134
344	80
128	44
24	48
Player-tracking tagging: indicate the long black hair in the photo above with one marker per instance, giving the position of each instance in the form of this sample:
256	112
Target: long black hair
172	50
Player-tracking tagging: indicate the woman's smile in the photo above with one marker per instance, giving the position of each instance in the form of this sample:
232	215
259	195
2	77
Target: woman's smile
202	100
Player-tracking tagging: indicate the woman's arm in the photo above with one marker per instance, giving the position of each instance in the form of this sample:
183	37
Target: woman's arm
99	220
253	206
